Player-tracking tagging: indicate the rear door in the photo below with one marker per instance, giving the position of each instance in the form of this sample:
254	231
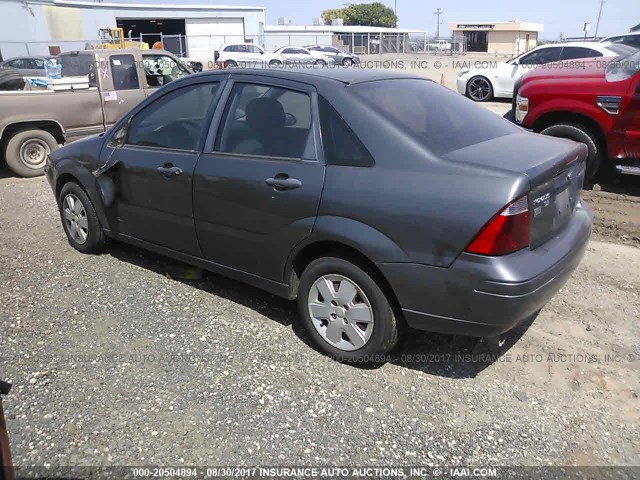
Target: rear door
154	170
258	183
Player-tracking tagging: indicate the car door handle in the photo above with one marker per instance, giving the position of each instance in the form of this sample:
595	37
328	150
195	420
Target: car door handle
169	171
283	183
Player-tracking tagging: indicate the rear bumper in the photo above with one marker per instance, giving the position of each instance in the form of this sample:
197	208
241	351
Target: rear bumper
487	296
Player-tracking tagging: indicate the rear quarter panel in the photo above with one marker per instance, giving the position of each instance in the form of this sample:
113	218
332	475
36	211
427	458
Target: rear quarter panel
411	206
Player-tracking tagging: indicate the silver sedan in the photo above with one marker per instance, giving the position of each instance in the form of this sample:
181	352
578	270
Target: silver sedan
301	56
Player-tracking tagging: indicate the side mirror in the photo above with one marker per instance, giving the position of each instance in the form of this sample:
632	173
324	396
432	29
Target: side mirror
289	120
92	79
118	138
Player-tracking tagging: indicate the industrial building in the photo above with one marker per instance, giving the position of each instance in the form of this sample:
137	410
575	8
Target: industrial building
43	27
357	39
503	38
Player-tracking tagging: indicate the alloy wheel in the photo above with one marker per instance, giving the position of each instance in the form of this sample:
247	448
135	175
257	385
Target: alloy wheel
479	89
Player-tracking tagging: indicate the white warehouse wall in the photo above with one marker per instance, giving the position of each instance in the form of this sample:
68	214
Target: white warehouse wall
26	31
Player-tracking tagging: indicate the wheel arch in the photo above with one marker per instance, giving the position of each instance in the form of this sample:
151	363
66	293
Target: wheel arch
303	256
553	118
51	126
68	172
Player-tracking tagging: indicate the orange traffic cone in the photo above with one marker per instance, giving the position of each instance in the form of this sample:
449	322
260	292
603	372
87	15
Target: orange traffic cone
442	82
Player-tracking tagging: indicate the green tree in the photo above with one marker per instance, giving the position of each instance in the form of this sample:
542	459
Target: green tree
332	14
374	14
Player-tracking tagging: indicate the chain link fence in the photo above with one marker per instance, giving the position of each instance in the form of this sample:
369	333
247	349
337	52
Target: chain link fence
201	48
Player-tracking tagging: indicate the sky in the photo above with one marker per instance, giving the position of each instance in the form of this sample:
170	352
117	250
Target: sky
558	16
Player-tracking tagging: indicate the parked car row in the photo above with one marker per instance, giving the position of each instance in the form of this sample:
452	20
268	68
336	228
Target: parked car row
583	91
250	54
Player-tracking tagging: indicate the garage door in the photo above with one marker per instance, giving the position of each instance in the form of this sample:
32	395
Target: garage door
205	35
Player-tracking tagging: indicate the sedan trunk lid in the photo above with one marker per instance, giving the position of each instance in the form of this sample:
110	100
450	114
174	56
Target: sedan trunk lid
554	168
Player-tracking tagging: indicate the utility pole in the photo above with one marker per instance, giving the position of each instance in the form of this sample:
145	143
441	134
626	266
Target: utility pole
599	15
437	13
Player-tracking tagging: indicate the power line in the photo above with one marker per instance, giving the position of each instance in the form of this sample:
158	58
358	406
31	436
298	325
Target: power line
599	15
438	12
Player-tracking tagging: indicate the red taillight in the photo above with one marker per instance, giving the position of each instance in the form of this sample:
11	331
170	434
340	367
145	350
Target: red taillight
507	232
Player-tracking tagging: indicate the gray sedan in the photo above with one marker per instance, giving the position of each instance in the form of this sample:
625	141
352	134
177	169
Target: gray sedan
335	187
28	66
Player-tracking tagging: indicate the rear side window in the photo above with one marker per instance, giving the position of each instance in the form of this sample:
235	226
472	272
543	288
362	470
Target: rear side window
571	53
341	145
176	120
124	72
436	117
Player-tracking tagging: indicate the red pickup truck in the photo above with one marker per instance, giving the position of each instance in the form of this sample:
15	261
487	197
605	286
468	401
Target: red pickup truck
593	101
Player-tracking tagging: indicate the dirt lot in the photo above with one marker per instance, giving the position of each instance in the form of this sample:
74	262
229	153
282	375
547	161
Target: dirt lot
115	363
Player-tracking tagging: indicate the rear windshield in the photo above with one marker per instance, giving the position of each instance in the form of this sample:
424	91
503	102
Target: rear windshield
440	119
76	65
621	49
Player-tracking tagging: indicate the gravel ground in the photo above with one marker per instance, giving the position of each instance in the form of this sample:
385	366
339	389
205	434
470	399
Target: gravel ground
114	362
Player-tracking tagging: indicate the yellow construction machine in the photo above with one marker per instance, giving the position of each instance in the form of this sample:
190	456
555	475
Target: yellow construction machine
113	37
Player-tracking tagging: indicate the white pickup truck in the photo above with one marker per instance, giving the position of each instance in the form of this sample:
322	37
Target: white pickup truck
439	45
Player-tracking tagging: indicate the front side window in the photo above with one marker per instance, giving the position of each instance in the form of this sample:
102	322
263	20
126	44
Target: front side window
177	120
124	72
162	69
542	56
268	121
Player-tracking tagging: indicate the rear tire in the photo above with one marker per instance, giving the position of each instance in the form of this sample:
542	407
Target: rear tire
230	64
275	63
80	220
579	133
354	321
26	152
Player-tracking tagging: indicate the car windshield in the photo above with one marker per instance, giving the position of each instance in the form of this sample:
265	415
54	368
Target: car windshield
623	67
438	118
621	49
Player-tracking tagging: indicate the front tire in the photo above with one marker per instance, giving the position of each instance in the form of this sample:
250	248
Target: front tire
230	64
26	152
579	133
347	62
346	312
275	63
479	89
80	220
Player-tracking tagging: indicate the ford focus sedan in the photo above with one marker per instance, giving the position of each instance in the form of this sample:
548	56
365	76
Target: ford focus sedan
379	201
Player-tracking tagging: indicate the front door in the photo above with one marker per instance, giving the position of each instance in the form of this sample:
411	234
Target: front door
154	170
257	188
120	85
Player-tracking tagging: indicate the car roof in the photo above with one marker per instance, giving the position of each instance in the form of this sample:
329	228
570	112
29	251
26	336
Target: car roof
345	75
630	34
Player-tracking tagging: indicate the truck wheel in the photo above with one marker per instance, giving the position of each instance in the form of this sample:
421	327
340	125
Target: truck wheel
346	312
11	79
579	133
26	152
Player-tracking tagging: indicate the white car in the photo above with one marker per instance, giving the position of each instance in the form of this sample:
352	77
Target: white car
246	55
632	39
302	56
488	80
